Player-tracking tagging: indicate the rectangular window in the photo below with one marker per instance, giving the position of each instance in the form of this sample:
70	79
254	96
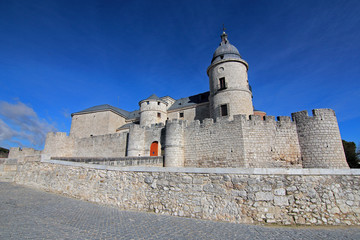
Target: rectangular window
181	115
222	83
224	110
159	115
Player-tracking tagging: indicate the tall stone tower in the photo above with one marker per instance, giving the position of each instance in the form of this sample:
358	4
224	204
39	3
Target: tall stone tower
230	92
152	110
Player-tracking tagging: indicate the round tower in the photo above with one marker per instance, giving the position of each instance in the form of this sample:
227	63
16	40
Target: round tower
230	92
152	110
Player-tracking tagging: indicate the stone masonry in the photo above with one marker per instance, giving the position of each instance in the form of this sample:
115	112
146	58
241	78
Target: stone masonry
297	196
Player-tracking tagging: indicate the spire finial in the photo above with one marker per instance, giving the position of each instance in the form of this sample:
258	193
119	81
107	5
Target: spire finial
224	28
224	36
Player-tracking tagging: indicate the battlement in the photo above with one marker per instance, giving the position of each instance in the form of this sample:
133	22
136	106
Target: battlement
57	134
23	154
321	114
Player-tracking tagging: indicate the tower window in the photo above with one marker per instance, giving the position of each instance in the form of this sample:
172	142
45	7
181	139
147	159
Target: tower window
158	103
159	115
181	115
222	83
224	110
147	102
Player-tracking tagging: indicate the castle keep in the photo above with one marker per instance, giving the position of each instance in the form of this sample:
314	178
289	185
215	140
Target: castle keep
219	128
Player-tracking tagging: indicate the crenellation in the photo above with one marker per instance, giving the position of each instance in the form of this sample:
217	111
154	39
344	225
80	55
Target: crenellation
207	122
283	119
240	118
269	119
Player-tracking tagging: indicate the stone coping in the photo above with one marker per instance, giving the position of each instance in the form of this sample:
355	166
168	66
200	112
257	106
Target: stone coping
243	171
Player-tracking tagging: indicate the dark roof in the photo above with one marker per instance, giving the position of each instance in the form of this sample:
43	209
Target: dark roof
189	101
104	107
134	114
125	126
153	97
225	50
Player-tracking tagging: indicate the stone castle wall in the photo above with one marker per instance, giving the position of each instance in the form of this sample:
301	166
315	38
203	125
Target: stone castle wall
282	196
198	112
270	143
97	123
308	142
242	143
24	154
109	145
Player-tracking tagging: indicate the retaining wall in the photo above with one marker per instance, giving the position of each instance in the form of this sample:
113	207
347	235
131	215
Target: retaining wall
120	162
282	196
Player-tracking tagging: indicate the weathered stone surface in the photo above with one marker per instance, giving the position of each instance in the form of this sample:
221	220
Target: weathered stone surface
288	199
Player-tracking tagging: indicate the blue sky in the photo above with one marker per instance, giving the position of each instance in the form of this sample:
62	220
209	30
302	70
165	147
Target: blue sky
59	57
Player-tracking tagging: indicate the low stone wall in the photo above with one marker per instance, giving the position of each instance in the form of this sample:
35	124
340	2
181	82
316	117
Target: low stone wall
117	161
282	196
8	168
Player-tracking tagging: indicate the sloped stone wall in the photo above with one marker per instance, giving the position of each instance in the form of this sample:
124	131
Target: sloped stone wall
282	196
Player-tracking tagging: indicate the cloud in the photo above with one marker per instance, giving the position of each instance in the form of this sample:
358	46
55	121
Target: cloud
20	123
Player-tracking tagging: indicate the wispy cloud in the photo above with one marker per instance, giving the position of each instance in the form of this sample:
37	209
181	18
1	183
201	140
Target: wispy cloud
19	123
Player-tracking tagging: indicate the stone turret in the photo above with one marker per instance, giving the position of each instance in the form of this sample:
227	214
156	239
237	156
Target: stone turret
230	92
152	111
174	144
319	139
136	141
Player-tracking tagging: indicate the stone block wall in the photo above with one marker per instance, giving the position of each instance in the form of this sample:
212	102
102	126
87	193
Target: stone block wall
270	143
210	144
109	145
282	196
24	154
59	144
96	123
195	112
242	142
117	161
8	169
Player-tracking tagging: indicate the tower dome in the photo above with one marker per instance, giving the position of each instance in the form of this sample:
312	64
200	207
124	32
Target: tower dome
225	50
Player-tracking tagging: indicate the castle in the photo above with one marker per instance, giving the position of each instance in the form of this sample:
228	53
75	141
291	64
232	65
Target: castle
219	128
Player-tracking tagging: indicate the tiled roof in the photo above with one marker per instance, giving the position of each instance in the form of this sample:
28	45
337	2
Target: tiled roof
189	101
104	107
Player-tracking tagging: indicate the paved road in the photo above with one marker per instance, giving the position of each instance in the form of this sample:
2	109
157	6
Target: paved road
26	213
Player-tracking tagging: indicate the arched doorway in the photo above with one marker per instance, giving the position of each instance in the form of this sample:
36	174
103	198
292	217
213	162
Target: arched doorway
154	149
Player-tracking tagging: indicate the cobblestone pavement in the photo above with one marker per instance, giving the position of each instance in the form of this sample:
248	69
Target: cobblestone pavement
26	213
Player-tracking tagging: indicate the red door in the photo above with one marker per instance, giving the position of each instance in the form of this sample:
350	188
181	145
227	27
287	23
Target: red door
154	149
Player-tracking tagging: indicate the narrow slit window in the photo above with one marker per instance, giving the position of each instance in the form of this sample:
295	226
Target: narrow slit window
224	110
222	83
159	115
